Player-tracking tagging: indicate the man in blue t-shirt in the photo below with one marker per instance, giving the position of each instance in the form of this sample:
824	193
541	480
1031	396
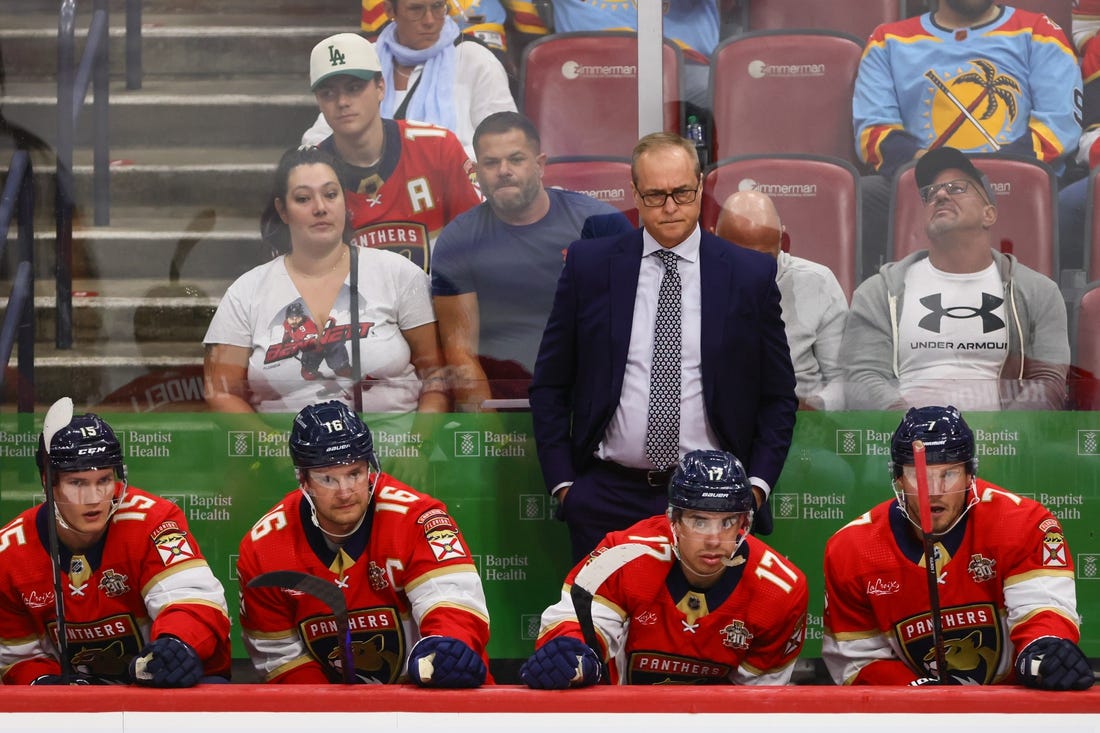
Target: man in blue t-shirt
495	267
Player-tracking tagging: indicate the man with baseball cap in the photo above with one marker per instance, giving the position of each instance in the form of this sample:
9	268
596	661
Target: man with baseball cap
958	321
403	181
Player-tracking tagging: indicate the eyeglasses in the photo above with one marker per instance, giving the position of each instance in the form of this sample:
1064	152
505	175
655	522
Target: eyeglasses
658	198
953	188
416	12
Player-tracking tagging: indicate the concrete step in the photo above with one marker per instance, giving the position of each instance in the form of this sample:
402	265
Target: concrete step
148	244
177	45
165	312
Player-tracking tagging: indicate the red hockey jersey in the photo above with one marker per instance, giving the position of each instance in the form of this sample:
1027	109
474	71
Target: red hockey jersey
145	578
746	629
422	181
1005	579
406	573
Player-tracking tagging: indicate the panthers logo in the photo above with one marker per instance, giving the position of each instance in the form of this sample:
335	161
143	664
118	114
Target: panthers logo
110	661
968	655
374	664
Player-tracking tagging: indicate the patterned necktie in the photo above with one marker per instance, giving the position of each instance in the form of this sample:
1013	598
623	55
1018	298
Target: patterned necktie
662	440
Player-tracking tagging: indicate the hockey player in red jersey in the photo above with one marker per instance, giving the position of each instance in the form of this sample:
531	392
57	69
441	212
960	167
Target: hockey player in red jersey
1007	601
140	605
403	180
416	608
705	603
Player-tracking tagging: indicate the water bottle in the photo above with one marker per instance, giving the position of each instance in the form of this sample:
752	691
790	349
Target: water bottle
698	138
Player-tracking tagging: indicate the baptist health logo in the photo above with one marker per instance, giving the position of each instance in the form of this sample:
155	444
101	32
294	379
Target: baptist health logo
467	444
1088	566
1088	442
242	444
849	442
785	506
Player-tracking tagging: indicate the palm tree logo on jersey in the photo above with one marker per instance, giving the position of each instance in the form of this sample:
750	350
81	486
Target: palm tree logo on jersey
994	91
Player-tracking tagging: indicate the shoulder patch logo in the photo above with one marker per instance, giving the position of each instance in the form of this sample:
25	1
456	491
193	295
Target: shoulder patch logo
1054	549
173	547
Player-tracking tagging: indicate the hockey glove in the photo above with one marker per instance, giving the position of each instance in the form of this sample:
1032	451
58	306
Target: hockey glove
166	662
1051	663
440	661
561	663
55	679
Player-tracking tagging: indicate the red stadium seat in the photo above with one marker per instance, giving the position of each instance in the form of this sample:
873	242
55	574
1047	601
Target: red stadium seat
857	17
784	92
1060	11
817	199
581	91
1085	379
606	179
1027	210
1092	228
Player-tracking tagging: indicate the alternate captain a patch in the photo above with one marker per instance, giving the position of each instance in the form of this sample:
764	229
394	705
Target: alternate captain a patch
172	544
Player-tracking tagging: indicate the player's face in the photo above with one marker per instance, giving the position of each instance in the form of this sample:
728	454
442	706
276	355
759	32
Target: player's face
418	22
948	493
664	170
313	208
350	104
84	498
340	494
509	170
948	213
705	539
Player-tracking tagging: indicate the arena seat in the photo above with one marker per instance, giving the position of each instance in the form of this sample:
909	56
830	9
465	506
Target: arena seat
857	17
606	179
784	91
1092	228
1085	379
581	91
817	198
1027	210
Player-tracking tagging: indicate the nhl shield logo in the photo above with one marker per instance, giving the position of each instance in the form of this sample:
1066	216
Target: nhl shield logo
981	568
736	635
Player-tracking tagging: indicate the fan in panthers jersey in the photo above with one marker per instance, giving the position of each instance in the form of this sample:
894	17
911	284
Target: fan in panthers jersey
705	603
140	603
416	608
1005	578
403	180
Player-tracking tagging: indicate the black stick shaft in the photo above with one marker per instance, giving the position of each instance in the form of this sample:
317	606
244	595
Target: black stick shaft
58	583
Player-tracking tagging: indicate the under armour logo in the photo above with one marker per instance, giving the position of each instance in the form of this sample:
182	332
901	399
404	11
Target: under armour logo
335	57
933	303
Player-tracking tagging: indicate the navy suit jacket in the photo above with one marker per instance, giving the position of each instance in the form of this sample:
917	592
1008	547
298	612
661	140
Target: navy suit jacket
748	380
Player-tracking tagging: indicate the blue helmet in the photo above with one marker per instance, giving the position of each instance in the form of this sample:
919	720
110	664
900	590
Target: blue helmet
946	437
87	443
330	433
710	481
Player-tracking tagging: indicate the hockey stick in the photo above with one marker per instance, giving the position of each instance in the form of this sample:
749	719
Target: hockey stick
326	593
58	416
921	467
588	581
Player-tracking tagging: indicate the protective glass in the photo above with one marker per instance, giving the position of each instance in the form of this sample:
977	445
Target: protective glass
724	527
341	478
680	196
416	10
942	478
953	188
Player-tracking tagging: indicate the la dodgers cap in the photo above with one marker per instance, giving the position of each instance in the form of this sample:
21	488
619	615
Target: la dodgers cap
343	53
932	163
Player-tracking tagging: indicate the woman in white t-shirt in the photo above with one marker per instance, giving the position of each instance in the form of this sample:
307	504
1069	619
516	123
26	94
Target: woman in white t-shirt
284	335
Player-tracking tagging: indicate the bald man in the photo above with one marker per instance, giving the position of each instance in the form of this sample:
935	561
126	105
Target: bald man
814	306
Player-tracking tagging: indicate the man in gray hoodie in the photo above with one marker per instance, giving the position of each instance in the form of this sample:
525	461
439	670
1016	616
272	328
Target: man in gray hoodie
959	322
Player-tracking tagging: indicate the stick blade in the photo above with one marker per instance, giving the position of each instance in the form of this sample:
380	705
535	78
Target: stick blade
604	565
58	416
322	590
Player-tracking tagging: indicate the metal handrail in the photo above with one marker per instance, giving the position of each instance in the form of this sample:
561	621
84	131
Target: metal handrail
18	200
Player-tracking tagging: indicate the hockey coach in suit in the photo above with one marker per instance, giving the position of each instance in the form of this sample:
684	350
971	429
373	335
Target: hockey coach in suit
603	396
